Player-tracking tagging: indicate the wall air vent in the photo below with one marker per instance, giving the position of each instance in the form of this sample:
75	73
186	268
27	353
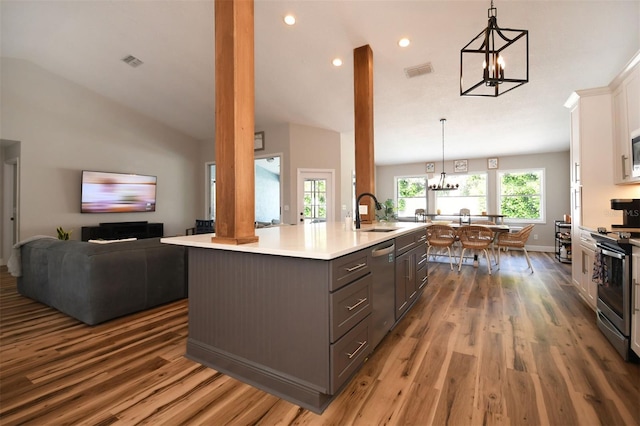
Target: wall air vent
132	60
417	70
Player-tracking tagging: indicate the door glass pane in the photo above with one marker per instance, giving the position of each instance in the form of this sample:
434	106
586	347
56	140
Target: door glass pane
315	200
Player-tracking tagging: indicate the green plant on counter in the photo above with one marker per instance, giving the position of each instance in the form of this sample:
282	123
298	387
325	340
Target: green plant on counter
62	234
388	212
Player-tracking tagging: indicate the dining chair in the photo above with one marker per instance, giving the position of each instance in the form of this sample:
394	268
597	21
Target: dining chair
516	240
477	238
442	236
489	222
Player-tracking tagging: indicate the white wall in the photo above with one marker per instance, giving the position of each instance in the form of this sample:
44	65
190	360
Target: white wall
64	128
315	148
556	165
300	147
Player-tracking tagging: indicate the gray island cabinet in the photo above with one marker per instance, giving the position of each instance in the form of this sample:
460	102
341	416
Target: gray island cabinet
290	314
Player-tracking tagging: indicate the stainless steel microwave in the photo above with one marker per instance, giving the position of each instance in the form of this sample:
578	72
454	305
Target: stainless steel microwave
635	153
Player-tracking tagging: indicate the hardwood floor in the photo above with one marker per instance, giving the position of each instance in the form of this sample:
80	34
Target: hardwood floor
510	348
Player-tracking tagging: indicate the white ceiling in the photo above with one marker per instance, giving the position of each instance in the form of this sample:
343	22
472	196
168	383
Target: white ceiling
573	45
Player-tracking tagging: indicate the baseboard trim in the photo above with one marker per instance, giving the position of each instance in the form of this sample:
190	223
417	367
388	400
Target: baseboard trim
259	377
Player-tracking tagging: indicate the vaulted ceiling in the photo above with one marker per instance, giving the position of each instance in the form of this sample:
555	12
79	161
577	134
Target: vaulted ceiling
573	45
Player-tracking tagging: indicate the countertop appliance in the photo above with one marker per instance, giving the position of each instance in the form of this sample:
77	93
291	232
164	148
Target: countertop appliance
612	272
383	307
630	208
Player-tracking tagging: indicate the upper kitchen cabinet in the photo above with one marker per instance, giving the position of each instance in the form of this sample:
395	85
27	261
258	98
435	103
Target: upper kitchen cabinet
626	119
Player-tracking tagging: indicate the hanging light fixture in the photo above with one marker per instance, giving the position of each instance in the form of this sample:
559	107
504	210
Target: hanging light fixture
441	185
486	56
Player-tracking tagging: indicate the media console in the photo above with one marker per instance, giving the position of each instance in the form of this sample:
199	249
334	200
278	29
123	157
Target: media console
120	230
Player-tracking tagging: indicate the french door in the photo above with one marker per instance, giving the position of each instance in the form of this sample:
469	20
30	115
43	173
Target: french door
315	195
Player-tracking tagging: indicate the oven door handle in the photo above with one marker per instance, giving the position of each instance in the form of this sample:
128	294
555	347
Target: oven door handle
612	253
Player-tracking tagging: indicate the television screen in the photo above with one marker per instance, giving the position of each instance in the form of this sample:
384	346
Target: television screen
104	192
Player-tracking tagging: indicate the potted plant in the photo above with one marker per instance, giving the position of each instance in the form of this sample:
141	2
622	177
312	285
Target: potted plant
62	234
388	212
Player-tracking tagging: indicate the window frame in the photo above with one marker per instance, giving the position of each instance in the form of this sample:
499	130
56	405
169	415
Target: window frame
542	219
395	192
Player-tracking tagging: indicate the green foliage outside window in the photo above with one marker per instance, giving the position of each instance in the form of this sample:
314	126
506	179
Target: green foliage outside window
412	194
315	199
520	194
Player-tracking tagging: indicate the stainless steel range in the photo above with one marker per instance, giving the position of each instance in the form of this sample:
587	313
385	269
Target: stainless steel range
612	272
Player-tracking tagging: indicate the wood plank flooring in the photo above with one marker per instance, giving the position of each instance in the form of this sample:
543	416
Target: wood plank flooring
512	348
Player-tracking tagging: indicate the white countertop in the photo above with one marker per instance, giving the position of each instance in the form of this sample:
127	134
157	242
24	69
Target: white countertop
635	242
323	241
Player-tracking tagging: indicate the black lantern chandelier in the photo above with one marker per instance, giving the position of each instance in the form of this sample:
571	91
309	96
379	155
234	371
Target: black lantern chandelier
441	185
486	55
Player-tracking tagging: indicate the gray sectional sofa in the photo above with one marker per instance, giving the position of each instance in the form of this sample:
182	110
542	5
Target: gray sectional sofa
98	282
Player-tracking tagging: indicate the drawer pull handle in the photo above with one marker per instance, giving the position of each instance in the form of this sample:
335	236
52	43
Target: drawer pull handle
352	354
422	260
358	266
360	302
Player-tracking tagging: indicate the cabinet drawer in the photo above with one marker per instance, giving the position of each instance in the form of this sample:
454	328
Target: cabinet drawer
404	243
349	268
349	306
421	257
348	353
421	237
421	278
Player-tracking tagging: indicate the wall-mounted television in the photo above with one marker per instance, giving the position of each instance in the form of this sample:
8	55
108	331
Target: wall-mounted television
107	192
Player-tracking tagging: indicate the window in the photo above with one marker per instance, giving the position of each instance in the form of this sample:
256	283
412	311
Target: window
411	194
471	194
521	195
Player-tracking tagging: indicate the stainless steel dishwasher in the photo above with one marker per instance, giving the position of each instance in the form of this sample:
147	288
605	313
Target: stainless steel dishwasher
383	273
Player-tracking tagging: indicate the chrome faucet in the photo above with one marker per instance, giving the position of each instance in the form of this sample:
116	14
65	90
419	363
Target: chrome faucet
378	206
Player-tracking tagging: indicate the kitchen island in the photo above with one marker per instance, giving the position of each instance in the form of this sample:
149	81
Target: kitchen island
294	313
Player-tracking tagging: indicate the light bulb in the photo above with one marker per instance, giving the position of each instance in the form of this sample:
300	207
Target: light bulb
501	61
289	19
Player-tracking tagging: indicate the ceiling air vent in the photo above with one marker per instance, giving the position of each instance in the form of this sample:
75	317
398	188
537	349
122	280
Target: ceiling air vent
132	60
417	70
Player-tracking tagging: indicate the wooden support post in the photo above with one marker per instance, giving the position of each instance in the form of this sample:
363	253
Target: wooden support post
235	103
363	105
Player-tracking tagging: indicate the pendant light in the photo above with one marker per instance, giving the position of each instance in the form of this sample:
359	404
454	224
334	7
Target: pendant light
486	56
441	185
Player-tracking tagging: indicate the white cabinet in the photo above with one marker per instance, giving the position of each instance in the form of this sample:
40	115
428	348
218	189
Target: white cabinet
601	119
626	119
587	287
635	304
591	165
583	269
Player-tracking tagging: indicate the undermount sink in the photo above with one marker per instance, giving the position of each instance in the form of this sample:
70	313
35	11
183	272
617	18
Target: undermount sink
379	230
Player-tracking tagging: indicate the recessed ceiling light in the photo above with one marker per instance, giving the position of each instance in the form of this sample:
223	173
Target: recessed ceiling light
337	62
289	19
404	42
